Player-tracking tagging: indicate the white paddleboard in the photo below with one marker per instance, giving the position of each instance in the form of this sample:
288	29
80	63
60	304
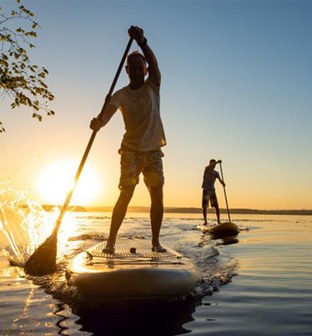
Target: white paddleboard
220	230
133	271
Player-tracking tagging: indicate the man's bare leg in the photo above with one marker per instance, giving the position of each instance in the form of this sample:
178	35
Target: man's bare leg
119	213
156	216
218	214
205	215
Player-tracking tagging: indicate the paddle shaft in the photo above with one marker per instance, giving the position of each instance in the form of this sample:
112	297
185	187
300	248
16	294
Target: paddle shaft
87	150
226	201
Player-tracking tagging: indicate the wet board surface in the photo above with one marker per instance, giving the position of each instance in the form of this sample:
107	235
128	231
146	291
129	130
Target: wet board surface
133	271
220	230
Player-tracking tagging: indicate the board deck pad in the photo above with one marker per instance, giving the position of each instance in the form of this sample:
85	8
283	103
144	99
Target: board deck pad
133	271
123	247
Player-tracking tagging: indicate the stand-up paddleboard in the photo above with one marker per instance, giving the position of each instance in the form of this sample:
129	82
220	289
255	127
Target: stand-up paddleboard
133	271
220	230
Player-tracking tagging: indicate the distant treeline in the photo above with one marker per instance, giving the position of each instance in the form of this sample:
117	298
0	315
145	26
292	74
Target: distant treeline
241	211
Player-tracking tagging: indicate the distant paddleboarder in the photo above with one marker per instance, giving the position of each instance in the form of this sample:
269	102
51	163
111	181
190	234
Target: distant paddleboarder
209	192
141	145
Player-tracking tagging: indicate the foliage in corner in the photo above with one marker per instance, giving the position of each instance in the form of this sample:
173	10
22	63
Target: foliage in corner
21	80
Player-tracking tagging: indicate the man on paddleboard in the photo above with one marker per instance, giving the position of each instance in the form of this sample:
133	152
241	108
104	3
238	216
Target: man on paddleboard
209	192
141	144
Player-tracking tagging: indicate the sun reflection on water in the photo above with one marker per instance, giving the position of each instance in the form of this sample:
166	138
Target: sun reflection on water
68	229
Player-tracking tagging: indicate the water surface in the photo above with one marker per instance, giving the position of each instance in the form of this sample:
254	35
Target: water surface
259	284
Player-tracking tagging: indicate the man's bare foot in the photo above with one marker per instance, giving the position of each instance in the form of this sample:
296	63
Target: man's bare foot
109	248
159	248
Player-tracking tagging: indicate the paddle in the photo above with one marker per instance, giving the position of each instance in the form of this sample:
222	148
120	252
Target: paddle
43	260
226	201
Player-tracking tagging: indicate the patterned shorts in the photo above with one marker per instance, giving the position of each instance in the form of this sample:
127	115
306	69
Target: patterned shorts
133	163
209	196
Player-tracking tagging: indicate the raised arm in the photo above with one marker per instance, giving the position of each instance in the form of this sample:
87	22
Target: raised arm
138	35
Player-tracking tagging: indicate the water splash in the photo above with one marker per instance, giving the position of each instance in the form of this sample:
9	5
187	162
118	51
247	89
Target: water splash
24	224
7	232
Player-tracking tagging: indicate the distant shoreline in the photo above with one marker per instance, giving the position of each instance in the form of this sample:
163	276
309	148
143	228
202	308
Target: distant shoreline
142	209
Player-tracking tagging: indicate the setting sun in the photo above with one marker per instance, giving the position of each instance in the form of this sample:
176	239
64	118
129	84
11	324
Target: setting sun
56	180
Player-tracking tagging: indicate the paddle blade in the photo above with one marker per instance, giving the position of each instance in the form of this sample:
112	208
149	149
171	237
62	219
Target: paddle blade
43	260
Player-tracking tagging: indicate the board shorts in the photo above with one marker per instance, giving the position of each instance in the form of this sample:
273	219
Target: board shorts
209	197
133	163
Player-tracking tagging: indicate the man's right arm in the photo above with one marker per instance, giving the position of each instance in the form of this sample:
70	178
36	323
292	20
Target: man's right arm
103	118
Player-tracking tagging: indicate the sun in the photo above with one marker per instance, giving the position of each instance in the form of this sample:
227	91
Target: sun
56	180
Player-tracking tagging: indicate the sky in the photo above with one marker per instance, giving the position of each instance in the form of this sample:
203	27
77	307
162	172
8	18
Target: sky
236	86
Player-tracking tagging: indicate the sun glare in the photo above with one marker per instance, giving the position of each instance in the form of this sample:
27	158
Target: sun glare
56	180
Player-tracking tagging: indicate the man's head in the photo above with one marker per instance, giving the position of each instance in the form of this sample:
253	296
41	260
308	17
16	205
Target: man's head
212	162
136	68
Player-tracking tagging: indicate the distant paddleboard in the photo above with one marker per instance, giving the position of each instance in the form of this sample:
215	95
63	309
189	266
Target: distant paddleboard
220	230
133	271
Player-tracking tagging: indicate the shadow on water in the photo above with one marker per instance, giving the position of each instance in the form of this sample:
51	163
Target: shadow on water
228	241
136	318
95	316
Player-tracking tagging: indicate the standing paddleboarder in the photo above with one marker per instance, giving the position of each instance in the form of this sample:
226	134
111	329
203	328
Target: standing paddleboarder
141	144
209	192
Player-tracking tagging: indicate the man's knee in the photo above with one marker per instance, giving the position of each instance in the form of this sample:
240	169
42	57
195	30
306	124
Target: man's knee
126	193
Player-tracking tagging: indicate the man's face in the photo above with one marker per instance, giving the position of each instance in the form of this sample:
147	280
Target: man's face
136	69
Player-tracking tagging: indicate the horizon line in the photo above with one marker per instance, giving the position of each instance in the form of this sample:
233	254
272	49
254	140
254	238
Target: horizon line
172	209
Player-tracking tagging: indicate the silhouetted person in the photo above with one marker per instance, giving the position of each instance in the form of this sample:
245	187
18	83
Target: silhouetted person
209	192
141	144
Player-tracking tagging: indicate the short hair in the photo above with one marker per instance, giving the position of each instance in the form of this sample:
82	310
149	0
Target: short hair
135	54
212	161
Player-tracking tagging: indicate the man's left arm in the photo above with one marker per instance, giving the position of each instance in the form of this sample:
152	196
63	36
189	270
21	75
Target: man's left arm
153	68
221	181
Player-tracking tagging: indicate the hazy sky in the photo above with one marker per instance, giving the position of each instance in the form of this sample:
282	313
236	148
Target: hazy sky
236	86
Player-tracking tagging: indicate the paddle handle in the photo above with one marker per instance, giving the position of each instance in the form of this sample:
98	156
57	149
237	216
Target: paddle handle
226	201
87	150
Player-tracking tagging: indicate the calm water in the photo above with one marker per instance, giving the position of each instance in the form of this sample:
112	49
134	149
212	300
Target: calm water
260	284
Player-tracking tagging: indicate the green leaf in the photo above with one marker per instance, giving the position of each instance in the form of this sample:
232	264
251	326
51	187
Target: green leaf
22	81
